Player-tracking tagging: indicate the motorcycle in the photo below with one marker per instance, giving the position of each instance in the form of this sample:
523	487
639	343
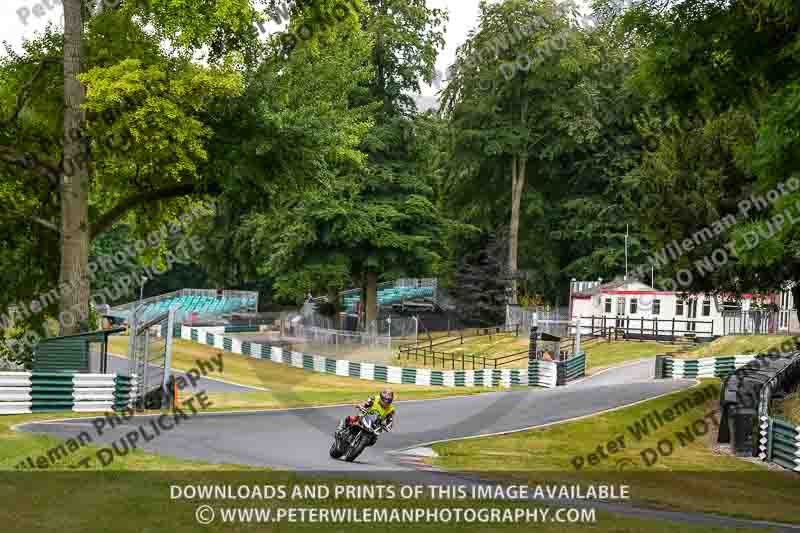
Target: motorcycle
351	440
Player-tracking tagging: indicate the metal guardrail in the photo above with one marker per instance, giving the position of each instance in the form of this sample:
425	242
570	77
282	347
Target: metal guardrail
783	444
746	401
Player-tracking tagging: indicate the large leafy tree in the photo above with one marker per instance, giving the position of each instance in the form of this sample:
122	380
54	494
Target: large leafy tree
104	58
721	76
511	104
373	216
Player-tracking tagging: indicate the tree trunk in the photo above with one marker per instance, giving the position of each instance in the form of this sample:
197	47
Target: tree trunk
372	300
518	168
74	305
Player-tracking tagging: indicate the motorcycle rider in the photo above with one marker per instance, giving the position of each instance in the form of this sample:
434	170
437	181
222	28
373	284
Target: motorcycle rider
383	407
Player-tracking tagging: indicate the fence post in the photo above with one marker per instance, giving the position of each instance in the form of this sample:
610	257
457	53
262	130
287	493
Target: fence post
641	330
673	328
462	362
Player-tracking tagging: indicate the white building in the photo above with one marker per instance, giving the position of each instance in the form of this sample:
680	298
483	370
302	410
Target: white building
643	311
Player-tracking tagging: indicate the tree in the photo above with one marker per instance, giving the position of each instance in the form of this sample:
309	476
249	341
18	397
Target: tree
71	164
717	74
374	216
74	184
481	282
510	101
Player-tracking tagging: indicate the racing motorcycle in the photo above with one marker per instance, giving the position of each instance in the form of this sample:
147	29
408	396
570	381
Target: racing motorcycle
352	440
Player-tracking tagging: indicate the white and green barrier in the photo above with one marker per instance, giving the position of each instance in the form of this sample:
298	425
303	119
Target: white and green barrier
571	369
542	373
779	443
556	373
37	392
93	392
490	377
15	393
709	367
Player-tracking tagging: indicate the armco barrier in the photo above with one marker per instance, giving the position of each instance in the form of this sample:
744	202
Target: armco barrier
777	438
15	393
556	373
52	391
37	392
93	392
124	387
489	377
709	367
747	395
782	444
542	373
571	369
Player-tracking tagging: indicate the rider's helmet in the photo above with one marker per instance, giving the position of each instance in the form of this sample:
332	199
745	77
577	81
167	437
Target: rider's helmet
387	397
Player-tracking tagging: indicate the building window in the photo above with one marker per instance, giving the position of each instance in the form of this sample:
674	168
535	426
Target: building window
656	307
706	307
679	308
634	305
608	305
620	306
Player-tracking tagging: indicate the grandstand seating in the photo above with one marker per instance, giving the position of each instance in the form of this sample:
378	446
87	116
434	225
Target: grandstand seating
391	296
203	306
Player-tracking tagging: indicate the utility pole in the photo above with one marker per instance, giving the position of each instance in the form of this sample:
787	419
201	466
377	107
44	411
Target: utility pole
626	252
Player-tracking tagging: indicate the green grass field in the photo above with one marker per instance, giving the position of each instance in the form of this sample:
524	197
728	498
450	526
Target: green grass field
789	407
136	502
288	387
601	354
694	477
534	457
738	345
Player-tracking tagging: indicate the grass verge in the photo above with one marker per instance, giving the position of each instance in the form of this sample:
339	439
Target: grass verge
789	407
694	476
135	502
601	355
738	345
288	387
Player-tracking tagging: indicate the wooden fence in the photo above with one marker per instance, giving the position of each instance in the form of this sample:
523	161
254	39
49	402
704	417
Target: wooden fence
426	352
625	327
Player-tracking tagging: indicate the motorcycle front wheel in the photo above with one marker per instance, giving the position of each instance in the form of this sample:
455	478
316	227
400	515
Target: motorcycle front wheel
336	450
356	448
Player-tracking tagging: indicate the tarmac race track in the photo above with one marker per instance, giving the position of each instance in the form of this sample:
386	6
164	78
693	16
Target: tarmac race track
299	439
